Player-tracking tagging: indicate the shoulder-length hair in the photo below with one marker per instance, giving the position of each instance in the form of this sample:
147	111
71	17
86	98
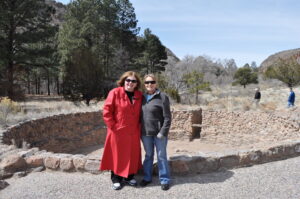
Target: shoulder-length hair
123	77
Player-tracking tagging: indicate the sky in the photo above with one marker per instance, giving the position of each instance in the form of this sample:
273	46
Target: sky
243	30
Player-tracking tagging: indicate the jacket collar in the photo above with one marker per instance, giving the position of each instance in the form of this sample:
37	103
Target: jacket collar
157	92
135	95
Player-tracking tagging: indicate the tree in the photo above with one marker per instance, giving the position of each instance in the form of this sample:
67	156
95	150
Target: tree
245	76
154	56
82	78
254	66
107	28
285	70
23	26
195	82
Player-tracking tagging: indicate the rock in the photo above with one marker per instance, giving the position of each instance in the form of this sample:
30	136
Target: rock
35	161
20	174
229	162
79	163
13	163
297	148
179	166
3	184
250	158
38	169
52	162
92	166
28	153
4	175
66	164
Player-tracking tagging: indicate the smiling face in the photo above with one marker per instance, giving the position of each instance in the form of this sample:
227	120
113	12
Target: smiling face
150	85
130	83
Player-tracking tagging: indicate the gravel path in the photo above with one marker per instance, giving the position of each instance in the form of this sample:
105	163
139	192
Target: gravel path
279	179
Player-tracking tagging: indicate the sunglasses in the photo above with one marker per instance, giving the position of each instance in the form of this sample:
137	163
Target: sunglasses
131	80
150	82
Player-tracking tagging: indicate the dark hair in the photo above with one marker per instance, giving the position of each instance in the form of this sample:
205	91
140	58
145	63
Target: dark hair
121	81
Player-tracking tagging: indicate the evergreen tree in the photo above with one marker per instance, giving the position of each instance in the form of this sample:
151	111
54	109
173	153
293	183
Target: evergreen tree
24	26
154	56
245	76
128	48
285	70
107	28
195	82
83	76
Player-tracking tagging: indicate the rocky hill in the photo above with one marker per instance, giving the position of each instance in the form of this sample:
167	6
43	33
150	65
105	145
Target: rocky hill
60	10
283	55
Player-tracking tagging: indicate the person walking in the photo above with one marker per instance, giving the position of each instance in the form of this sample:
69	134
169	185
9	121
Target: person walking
156	122
291	99
257	96
121	114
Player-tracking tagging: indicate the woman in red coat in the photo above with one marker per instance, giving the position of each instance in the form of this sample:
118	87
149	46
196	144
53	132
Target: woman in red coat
121	114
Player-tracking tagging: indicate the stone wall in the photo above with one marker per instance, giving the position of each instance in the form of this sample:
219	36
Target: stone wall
70	132
60	133
183	124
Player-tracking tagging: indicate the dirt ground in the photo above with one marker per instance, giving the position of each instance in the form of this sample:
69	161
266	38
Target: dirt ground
184	147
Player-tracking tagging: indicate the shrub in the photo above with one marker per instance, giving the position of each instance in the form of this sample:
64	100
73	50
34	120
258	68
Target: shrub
7	106
173	93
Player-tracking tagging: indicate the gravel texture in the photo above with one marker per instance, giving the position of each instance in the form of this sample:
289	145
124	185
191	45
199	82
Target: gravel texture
279	179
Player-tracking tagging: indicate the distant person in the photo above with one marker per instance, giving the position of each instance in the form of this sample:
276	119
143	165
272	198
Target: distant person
156	122
291	99
257	96
121	114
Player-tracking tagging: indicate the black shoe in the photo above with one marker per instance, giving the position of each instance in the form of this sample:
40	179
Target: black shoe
165	187
144	183
131	182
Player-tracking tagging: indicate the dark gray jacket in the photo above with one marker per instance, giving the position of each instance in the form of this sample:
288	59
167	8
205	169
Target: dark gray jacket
156	115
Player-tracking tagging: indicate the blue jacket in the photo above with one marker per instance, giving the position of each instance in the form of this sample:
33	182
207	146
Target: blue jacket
291	97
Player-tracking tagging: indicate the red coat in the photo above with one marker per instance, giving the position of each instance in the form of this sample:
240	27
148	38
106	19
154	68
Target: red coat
122	149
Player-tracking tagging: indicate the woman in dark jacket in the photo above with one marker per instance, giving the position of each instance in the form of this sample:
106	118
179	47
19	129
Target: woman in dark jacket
156	122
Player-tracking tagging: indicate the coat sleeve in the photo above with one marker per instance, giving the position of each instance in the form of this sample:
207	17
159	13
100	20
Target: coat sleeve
166	115
109	110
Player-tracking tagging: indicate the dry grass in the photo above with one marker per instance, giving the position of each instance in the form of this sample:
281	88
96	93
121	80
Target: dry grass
44	106
238	98
220	98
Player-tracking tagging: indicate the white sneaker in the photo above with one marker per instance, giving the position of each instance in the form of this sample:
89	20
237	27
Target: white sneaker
116	186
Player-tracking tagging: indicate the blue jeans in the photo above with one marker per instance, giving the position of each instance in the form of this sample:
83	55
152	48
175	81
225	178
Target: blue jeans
290	104
161	150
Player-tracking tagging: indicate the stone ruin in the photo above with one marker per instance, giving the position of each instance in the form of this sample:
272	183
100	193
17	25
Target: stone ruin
49	143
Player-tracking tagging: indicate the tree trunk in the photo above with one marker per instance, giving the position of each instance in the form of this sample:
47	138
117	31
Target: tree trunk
10	69
57	86
10	75
28	83
48	82
196	96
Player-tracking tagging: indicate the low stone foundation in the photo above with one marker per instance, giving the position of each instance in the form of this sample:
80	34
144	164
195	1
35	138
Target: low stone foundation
51	139
209	162
70	132
60	133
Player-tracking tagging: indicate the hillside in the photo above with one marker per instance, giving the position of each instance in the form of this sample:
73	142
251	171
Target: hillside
60	10
273	58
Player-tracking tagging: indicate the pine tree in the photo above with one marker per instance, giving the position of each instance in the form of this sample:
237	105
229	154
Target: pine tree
83	77
154	54
285	70
107	30
24	27
195	82
245	76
